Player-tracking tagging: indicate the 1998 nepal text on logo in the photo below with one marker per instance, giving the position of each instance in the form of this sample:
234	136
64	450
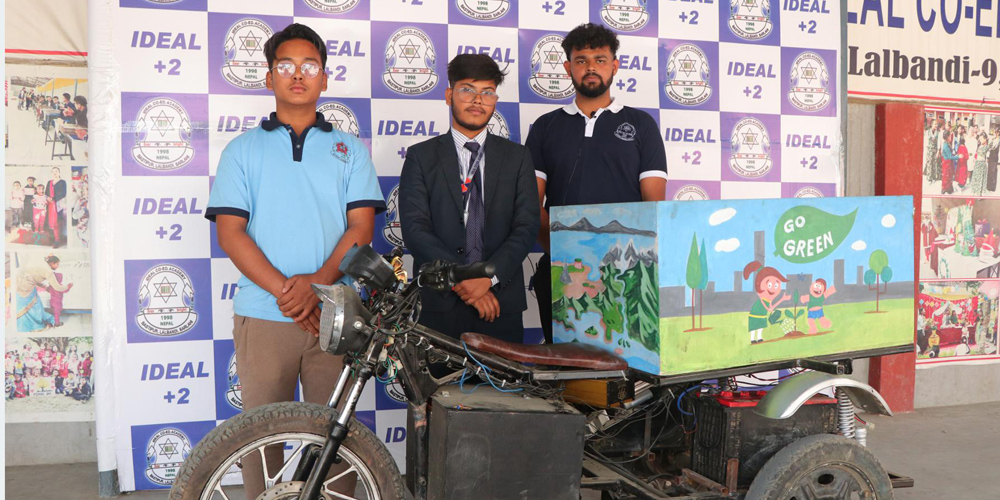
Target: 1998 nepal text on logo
483	10
810	81
165	453
688	75
162	135
409	62
625	15
332	6
245	65
341	117
750	19
166	299
751	149
548	76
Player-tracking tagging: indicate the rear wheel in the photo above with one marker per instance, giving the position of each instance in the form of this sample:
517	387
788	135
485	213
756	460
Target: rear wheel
822	467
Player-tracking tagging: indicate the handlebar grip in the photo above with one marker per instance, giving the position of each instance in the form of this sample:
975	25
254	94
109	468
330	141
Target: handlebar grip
471	271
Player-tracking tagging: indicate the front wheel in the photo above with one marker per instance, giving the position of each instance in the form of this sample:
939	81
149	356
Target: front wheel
215	463
822	467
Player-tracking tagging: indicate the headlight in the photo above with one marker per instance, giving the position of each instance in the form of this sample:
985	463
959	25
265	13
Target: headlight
342	325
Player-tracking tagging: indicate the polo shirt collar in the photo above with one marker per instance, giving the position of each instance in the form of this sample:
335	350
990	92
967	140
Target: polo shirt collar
273	122
572	109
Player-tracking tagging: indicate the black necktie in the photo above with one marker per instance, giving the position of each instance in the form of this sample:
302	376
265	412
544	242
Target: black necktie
474	205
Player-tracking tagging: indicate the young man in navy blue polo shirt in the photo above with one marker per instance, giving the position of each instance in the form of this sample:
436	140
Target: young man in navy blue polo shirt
593	150
290	198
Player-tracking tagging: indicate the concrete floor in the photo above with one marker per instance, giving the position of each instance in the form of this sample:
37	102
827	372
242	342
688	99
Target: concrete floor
951	452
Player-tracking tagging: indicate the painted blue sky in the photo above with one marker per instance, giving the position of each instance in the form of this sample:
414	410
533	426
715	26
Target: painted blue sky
728	227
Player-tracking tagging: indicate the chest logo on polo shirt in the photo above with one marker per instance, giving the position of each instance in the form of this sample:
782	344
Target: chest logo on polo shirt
691	192
625	15
245	65
162	135
166	298
484	10
548	76
498	125
341	117
809	82
750	19
625	132
333	6
688	74
393	230
409	62
340	152
165	453
750	149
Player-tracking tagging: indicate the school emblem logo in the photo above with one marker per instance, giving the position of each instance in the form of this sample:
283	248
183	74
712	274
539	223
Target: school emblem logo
808	192
341	117
162	135
393	230
332	6
691	192
548	76
395	391
809	82
234	394
341	152
751	149
245	65
625	15
498	125
166	298
483	10
409	62
625	132
688	76
750	19
165	453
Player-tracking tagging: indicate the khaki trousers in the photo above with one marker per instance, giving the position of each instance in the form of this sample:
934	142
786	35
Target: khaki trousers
271	358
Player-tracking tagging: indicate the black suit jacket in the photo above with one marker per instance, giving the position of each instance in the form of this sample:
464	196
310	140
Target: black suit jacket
431	210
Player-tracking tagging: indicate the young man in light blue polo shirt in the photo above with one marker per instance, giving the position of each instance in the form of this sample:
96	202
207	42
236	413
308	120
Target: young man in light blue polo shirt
290	198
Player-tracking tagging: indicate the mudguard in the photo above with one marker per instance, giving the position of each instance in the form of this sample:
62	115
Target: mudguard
783	400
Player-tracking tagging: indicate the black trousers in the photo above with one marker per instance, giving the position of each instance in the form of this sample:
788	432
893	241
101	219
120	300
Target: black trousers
543	293
509	326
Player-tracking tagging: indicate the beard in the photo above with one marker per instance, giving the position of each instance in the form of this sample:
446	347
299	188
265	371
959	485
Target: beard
475	127
593	90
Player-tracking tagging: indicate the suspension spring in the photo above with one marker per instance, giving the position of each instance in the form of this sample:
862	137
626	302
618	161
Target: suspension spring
845	414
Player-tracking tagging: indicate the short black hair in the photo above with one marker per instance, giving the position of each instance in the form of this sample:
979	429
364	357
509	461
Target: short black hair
590	36
66	95
475	66
294	31
80	100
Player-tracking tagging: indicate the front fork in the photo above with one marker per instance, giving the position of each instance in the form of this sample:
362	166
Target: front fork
313	468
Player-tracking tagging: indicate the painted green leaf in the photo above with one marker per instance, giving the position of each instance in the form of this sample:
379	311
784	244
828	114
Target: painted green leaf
800	313
870	277
878	261
886	274
788	313
807	234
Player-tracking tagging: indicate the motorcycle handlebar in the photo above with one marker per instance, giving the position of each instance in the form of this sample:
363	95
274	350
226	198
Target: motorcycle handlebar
460	273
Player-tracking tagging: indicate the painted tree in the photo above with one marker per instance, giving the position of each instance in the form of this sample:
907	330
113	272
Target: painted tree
878	275
703	260
694	273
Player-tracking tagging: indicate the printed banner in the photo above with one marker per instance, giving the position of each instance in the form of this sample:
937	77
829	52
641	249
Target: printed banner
928	51
747	99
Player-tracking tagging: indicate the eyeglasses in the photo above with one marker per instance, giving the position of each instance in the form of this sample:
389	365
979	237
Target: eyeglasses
287	68
466	94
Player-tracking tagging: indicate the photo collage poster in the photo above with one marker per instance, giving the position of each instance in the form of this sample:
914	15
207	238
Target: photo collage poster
47	282
959	238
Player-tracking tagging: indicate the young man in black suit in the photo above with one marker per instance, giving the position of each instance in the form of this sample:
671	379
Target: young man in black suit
468	196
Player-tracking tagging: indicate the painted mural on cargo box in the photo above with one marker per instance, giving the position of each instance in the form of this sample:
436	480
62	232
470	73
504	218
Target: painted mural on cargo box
682	287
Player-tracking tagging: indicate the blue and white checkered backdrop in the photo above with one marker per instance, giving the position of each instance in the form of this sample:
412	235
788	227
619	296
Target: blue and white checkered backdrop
746	95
